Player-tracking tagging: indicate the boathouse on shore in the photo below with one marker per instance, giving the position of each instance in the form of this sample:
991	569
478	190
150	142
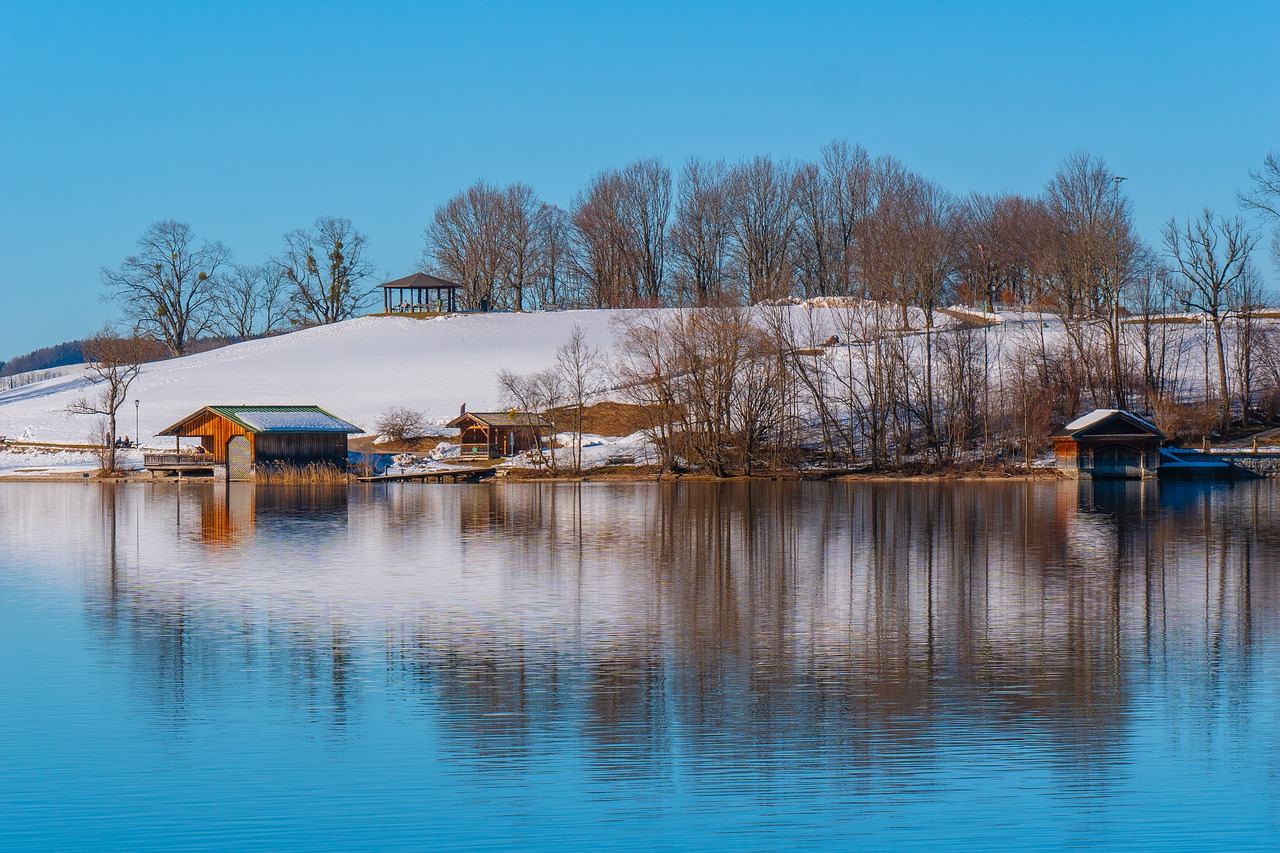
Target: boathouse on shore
235	440
490	435
1108	444
420	293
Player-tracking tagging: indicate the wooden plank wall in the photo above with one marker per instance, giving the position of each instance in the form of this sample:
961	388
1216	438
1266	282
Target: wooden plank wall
301	448
214	431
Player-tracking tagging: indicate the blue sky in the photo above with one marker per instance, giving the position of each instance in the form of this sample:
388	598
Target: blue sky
247	120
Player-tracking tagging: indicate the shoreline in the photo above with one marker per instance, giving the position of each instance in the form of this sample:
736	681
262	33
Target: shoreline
530	475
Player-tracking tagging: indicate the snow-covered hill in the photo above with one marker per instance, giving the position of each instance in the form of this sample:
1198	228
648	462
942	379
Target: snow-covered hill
360	368
355	369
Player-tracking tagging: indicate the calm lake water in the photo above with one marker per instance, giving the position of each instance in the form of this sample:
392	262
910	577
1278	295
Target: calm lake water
690	667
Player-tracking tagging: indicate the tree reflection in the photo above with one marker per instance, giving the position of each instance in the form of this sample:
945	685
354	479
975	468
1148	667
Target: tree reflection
854	625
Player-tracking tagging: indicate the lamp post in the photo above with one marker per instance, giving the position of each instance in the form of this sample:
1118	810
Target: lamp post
137	416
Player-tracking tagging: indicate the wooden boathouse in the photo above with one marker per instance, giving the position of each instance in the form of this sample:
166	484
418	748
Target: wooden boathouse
1108	444
235	440
491	435
420	293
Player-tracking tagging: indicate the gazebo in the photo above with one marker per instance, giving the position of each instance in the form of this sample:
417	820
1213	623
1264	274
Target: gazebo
420	293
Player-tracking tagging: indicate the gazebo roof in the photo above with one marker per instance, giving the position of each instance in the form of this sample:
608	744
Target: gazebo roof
421	280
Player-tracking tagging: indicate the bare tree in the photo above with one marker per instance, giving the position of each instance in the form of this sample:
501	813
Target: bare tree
112	363
1159	343
646	364
1212	254
581	367
850	188
1098	257
518	243
762	198
602	259
167	289
646	206
539	393
1265	198
251	301
699	234
999	248
327	269
554	250
816	247
620	234
464	242
1246	304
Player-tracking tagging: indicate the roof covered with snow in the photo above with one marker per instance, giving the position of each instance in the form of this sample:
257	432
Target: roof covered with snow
1100	416
260	419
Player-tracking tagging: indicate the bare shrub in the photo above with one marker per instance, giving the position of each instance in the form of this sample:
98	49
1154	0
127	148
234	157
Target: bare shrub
1184	421
401	424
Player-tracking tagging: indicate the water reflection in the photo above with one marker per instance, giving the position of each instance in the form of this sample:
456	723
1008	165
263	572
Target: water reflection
857	631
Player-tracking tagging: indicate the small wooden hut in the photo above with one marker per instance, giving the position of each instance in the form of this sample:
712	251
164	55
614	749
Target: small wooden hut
1110	444
420	293
234	440
490	435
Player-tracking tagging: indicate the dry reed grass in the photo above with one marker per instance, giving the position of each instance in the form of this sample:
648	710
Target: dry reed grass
315	474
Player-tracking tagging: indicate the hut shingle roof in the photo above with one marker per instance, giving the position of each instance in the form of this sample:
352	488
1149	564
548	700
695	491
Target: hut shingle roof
503	419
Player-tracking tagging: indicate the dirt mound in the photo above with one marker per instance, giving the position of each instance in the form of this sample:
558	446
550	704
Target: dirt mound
366	444
607	419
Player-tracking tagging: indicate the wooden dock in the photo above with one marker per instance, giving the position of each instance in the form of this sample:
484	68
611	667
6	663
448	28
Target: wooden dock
440	475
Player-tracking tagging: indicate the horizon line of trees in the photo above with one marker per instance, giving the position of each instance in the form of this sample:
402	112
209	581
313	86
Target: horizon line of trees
844	224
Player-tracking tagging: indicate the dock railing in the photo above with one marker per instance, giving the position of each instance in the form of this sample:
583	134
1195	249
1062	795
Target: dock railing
173	461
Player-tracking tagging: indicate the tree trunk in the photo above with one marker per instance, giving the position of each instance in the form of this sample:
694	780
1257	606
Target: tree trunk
1222	372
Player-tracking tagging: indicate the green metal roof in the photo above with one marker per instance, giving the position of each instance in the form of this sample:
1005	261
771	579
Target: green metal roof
260	419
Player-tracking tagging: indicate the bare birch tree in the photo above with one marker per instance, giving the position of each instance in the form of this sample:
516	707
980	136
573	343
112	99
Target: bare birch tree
538	393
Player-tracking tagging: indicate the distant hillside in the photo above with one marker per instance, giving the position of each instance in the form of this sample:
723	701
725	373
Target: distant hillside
58	355
71	352
356	369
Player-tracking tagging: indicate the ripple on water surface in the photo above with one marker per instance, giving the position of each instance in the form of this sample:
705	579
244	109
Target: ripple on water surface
701	666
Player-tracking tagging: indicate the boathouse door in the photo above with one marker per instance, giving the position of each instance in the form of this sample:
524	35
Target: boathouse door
1117	460
239	459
